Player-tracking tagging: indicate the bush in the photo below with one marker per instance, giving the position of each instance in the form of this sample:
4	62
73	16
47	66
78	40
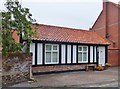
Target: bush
100	68
108	65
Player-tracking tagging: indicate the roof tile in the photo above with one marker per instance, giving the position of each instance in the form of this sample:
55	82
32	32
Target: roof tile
63	34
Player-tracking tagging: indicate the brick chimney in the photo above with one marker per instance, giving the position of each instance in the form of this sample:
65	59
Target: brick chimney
105	7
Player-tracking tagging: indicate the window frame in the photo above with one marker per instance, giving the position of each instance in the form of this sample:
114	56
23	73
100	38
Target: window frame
52	51
82	54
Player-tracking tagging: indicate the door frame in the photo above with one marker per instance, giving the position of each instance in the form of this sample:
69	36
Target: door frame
98	55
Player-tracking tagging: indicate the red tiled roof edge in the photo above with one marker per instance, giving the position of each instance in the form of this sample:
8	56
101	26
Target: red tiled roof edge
103	38
76	35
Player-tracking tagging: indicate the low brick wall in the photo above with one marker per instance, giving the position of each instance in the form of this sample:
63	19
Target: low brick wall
57	68
16	68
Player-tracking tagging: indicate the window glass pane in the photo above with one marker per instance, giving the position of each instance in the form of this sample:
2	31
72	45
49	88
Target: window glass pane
84	48
80	56
84	56
55	56
48	47
79	48
54	47
48	56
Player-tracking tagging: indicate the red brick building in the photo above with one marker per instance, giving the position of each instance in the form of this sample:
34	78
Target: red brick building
107	25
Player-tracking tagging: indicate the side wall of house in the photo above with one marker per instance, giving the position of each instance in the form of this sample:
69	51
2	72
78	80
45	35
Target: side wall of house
69	57
99	25
112	30
107	24
119	34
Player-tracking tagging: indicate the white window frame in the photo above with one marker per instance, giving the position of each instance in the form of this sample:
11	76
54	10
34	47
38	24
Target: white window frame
82	54
52	53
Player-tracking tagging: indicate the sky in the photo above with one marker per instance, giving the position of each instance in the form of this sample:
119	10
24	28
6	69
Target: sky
79	14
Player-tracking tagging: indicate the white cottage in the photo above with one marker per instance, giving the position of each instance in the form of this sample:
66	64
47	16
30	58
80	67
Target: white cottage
57	49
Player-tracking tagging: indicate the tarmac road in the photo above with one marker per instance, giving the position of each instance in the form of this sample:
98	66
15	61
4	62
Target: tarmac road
106	78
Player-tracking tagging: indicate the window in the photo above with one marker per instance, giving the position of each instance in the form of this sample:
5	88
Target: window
51	54
82	54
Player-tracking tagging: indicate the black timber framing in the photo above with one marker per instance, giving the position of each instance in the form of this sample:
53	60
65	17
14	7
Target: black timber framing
68	43
61	64
66	54
106	54
71	53
97	57
76	53
88	54
43	56
59	53
35	53
93	54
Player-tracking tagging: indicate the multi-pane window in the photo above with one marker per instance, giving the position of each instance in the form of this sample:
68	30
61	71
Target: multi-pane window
82	54
51	54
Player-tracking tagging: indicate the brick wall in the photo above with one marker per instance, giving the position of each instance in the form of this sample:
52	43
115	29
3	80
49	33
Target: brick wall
113	57
57	68
108	23
119	57
16	68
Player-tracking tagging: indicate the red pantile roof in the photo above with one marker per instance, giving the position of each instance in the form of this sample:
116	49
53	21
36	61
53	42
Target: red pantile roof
63	34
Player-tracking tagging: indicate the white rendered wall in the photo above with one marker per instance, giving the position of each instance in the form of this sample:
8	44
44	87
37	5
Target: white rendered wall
63	47
74	53
39	53
94	53
91	54
32	49
68	53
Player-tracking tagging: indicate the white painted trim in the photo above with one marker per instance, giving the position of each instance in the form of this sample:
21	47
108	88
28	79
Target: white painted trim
68	53
52	53
82	54
63	54
102	56
95	54
91	54
32	50
39	53
74	54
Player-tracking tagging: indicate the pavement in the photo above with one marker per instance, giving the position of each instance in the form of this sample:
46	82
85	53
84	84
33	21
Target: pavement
106	78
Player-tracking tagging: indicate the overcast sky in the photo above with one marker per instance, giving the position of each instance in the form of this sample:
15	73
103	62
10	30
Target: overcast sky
67	13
